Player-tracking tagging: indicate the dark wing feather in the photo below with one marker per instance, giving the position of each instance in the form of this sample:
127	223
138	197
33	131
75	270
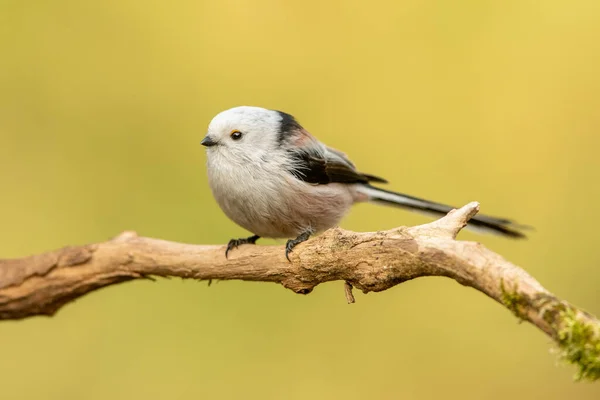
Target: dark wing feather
315	168
373	178
341	155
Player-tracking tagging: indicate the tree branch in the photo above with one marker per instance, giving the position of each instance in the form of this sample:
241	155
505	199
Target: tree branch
372	262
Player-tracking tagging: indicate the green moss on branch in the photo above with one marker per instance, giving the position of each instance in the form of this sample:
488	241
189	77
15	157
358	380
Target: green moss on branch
579	344
514	301
577	337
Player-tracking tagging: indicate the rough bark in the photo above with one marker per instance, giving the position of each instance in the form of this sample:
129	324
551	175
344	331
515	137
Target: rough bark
371	262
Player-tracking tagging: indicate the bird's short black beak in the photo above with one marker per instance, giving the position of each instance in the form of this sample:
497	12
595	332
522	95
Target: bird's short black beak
208	141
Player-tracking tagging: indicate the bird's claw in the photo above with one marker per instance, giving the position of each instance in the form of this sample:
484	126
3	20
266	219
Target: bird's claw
290	244
235	243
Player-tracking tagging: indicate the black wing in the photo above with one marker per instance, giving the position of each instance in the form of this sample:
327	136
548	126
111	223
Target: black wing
327	167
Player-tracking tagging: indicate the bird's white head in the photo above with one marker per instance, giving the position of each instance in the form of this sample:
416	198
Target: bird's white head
245	130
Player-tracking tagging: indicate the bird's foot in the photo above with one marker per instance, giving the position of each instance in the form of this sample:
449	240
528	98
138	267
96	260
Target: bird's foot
290	244
233	243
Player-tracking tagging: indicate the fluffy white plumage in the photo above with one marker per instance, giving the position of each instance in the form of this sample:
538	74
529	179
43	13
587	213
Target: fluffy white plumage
251	178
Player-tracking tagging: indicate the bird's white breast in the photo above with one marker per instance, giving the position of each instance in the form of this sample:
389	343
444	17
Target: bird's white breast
264	198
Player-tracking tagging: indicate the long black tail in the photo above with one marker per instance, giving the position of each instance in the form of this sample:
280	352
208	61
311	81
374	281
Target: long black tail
483	223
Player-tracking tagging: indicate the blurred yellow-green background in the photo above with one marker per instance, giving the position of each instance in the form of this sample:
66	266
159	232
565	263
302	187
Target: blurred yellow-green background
102	108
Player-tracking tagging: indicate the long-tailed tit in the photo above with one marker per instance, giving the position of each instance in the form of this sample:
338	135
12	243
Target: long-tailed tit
273	178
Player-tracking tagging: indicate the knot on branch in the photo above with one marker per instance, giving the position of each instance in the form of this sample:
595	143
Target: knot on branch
298	286
450	225
125	236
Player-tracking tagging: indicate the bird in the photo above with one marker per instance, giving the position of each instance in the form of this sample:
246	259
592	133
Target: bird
273	178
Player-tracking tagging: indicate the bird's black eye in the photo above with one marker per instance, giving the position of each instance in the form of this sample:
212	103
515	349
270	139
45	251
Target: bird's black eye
236	135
